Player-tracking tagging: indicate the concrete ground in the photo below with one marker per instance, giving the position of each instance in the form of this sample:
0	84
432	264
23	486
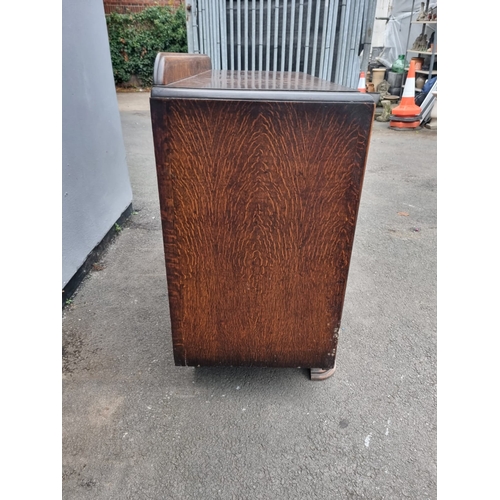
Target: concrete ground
137	427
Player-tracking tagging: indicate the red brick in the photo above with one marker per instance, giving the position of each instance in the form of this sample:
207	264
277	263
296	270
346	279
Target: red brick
121	6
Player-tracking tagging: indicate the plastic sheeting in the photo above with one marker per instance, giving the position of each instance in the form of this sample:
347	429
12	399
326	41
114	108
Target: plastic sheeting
397	28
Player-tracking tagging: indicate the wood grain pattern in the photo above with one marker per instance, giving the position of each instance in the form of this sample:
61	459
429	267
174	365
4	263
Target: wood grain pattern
259	202
258	80
172	66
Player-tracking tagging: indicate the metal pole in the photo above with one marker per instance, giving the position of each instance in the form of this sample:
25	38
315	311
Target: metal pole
276	26
369	19
206	34
210	33
409	28
254	35
354	66
344	38
261	34
433	55
324	32
195	21
238	23
348	54
283	35
291	38
331	41
315	40
216	34
268	37
308	35
189	29
231	32
299	37
246	36
201	30
223	32
340	47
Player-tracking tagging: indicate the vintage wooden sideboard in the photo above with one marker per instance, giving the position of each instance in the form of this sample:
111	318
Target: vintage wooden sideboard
259	179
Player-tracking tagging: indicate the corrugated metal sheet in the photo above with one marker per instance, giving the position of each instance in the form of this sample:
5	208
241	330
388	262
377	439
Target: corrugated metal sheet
330	39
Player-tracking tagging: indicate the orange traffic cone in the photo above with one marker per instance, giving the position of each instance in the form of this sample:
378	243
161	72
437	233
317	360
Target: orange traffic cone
362	82
406	115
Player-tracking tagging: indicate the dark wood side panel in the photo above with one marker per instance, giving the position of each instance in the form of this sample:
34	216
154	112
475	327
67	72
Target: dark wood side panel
259	202
172	67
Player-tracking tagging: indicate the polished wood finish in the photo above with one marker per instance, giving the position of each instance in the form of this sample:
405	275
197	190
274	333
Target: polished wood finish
258	80
259	201
171	67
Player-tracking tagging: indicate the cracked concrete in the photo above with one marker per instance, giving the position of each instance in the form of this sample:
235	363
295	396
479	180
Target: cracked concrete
137	427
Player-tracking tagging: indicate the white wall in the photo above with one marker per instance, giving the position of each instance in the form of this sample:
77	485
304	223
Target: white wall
95	182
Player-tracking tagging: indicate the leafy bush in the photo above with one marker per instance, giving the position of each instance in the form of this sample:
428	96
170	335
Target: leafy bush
135	40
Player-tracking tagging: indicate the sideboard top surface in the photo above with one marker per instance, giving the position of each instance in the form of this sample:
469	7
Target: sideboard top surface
260	85
258	80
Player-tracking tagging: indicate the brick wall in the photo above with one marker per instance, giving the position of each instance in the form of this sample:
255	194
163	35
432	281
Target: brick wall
122	6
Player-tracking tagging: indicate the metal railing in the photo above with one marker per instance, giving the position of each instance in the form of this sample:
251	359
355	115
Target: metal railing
330	39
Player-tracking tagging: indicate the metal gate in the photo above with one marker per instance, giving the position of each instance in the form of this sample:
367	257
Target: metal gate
330	39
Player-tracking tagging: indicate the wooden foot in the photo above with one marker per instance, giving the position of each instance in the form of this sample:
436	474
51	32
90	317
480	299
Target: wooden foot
320	374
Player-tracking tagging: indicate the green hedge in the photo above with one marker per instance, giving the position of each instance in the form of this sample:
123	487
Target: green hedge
135	40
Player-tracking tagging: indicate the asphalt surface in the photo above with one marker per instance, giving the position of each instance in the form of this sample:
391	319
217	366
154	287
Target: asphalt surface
137	427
